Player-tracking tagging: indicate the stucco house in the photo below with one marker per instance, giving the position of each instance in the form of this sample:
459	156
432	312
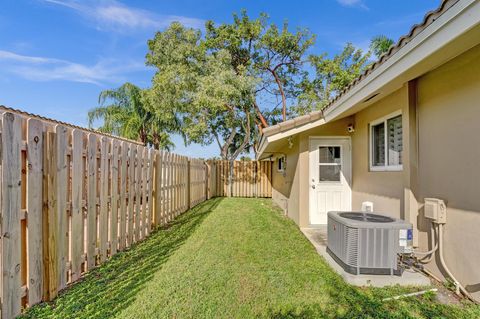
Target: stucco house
405	130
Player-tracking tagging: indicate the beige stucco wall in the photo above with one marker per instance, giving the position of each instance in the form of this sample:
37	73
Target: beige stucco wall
291	188
441	139
449	159
384	189
285	185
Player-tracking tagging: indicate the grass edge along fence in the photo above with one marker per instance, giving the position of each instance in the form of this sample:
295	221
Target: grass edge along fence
71	198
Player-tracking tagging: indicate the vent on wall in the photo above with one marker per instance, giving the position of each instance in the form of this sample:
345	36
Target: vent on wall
370	97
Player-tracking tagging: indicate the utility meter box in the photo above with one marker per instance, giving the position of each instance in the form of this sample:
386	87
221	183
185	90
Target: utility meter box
436	210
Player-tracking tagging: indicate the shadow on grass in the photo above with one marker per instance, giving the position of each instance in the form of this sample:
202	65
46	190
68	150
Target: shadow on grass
108	289
348	302
352	302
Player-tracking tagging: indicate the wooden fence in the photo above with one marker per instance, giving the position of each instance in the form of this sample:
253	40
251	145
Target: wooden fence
71	198
249	178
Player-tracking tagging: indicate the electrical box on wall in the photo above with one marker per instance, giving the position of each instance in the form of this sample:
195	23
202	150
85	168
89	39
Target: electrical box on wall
436	210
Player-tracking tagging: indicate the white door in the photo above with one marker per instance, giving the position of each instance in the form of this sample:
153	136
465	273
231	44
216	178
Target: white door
330	177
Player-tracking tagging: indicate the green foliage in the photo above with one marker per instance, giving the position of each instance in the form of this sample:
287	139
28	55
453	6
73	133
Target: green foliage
232	258
199	89
271	54
224	87
123	112
211	85
331	77
380	44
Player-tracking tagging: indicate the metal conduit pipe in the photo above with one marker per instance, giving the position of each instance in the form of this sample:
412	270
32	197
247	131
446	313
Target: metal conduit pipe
458	286
431	253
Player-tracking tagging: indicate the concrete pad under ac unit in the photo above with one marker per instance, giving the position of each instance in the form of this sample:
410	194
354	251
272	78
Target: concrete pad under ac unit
318	237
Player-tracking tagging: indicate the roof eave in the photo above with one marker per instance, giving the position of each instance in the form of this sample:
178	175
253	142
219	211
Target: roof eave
422	45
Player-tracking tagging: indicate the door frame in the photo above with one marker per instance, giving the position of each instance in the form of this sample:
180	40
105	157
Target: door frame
311	169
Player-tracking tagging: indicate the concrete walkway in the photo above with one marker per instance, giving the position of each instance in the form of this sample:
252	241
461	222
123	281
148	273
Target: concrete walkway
318	237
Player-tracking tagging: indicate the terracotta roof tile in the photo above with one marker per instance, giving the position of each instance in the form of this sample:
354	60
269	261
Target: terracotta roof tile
430	17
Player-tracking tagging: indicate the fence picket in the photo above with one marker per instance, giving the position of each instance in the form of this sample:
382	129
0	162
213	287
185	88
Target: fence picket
164	187
71	198
114	201
150	184
11	205
138	185
91	200
144	193
170	186
131	192
62	196
103	214
34	209
50	254
160	190
123	195
76	239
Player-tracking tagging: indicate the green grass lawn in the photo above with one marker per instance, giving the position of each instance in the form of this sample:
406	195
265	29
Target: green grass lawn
231	258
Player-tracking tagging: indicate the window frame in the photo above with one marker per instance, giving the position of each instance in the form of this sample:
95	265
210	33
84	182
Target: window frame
284	166
330	164
386	167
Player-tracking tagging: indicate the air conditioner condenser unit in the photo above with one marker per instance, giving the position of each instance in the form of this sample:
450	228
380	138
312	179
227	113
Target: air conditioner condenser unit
366	243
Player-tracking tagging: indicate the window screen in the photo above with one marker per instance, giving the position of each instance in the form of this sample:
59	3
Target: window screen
395	143
378	144
387	144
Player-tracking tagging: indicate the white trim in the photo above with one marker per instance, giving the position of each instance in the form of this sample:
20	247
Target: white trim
456	21
265	140
430	48
386	167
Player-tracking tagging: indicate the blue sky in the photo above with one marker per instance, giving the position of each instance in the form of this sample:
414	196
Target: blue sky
57	55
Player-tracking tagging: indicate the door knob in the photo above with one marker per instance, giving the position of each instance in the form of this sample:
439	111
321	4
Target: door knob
313	186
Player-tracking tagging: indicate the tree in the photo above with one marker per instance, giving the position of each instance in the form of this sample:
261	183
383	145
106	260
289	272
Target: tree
380	45
123	112
273	55
200	89
214	85
330	78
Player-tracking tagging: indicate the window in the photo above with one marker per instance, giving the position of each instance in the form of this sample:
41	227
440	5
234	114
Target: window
386	143
281	164
330	164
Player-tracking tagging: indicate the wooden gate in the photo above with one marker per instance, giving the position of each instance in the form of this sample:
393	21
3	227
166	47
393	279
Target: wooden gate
249	178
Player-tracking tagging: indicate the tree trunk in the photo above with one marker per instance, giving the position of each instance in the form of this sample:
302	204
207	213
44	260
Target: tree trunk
260	115
282	93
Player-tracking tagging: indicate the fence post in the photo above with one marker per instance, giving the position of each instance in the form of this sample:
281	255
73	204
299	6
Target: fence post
207	180
156	188
189	184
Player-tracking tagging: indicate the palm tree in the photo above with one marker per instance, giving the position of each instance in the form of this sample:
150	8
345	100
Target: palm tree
380	44
124	113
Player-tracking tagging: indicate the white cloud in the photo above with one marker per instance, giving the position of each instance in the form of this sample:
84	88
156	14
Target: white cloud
353	3
47	69
115	16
